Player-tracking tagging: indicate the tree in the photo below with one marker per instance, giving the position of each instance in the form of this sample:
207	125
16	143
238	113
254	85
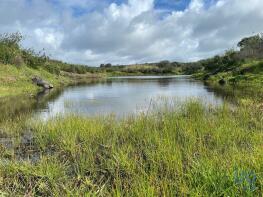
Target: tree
10	52
106	65
251	46
163	64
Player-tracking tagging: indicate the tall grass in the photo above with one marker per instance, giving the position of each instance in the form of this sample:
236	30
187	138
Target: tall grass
191	151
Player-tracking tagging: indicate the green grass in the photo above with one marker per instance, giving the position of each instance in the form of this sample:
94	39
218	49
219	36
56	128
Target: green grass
194	150
17	80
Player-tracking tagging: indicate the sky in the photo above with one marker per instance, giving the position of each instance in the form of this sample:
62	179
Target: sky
94	32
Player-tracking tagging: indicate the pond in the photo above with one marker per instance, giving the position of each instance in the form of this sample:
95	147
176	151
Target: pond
118	95
127	95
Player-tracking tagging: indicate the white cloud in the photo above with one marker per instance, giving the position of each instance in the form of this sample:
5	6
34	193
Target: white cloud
196	5
130	32
48	38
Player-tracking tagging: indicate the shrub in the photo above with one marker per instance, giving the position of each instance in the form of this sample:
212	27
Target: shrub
33	59
9	47
52	68
18	61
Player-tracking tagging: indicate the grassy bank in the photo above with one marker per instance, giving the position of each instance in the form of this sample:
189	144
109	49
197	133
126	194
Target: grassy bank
18	80
15	81
243	67
19	65
188	151
246	73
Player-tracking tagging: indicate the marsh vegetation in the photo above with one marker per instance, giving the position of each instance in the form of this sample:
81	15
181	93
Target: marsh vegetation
191	150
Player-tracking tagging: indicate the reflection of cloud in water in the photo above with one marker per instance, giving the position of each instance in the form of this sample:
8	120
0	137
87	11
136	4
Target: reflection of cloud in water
127	96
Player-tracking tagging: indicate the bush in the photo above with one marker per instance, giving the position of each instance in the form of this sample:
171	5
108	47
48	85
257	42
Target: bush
10	48
34	60
18	61
52	68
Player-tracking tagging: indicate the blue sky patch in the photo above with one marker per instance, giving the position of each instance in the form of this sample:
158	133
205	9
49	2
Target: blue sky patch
170	5
164	5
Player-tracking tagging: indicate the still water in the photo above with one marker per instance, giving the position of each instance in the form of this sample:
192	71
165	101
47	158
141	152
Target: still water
120	96
126	95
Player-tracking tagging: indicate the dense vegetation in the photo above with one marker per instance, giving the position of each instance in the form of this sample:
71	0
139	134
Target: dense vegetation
243	66
192	151
161	68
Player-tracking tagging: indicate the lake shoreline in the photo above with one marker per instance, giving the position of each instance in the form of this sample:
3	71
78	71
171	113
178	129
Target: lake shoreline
18	81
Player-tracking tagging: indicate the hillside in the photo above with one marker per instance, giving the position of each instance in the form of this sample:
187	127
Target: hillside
241	67
18	66
248	72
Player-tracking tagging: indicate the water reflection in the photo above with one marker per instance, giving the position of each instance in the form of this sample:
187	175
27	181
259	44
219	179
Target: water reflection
119	95
123	96
24	105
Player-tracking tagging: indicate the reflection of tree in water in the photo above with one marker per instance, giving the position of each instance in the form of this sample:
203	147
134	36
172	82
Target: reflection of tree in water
220	91
109	82
164	82
47	95
12	107
232	93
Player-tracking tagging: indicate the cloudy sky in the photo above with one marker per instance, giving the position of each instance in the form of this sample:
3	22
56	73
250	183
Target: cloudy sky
92	32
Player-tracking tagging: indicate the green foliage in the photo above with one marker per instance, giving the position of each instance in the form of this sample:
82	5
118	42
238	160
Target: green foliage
10	48
73	68
12	53
144	69
52	68
250	48
33	59
253	42
163	64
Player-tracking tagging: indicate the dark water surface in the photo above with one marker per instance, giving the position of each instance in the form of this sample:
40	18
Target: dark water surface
120	96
